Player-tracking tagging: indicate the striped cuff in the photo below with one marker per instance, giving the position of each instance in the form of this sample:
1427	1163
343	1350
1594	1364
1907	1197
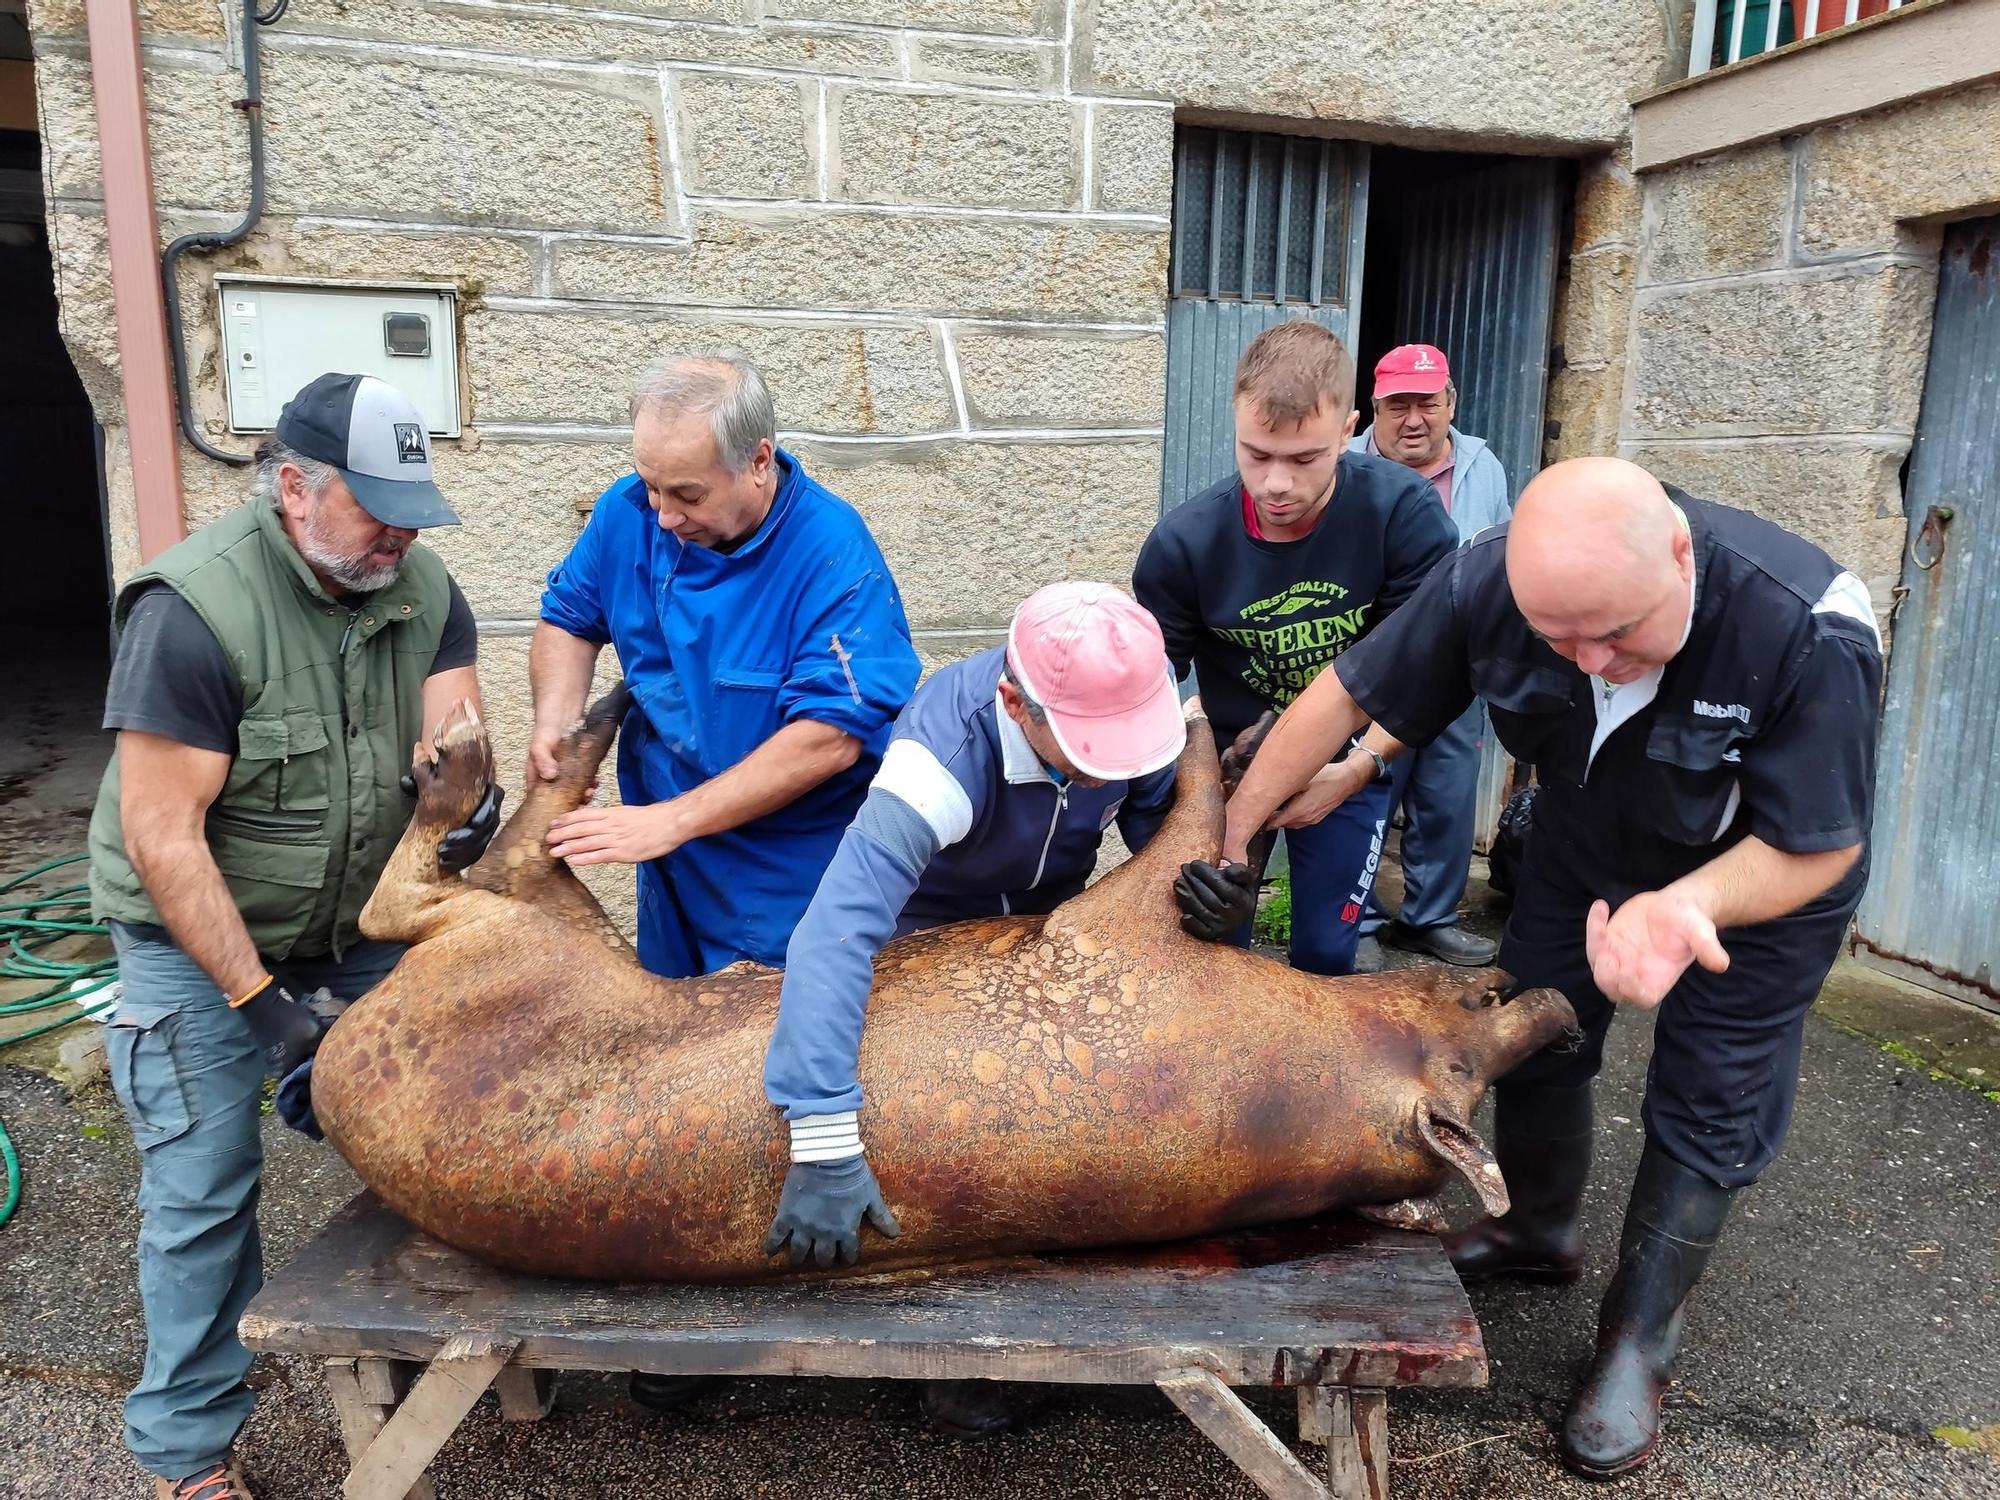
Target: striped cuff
834	1137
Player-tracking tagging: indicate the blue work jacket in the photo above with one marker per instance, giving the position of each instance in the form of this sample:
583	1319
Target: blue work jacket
721	650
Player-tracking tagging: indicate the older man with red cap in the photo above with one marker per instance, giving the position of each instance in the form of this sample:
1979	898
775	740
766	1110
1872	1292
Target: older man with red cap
993	796
1437	787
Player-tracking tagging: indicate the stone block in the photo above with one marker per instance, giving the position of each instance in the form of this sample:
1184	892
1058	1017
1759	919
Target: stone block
1132	160
81	260
971	529
1805	352
972	266
1005	17
827	377
1607	204
200	146
1584	406
1043	379
1430	72
1866	177
157	18
996	64
81	1061
745	136
1844	494
953	148
350	135
1726	213
508	709
646	32
523	505
1594	312
940	648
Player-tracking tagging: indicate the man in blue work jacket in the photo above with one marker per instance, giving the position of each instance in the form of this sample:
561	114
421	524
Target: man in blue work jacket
1001	777
767	653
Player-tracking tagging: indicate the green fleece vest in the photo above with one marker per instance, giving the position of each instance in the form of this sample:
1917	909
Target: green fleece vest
332	703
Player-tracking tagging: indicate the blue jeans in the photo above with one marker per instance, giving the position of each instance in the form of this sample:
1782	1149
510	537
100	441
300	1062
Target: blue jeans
1333	867
1438	789
191	1082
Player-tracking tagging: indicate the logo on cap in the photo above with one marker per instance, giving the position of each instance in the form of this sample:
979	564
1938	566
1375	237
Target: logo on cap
1424	361
410	444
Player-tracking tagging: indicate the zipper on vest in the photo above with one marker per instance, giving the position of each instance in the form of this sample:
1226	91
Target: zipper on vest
1062	801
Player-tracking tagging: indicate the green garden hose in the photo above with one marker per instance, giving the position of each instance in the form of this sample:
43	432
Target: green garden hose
30	925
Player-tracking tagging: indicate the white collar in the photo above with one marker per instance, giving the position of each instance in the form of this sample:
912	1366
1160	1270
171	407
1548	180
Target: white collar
1018	761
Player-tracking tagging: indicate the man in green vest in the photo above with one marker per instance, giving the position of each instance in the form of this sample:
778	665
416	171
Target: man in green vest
273	672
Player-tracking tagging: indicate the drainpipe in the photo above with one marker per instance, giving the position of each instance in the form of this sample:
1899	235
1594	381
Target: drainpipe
133	233
252	105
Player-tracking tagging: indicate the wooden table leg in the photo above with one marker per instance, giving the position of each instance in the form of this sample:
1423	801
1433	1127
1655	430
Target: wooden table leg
396	1457
1354	1427
1211	1405
361	1416
525	1395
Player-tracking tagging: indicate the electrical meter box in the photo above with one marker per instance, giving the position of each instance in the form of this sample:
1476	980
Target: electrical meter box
279	333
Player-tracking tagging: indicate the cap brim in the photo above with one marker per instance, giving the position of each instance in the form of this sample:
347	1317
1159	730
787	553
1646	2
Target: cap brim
1424	383
1119	747
409	503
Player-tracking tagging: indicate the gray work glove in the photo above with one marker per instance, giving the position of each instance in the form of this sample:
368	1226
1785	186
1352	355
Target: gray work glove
1215	900
284	1027
821	1209
461	848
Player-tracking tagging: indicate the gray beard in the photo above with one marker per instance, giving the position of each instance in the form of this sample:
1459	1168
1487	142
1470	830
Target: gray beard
352	574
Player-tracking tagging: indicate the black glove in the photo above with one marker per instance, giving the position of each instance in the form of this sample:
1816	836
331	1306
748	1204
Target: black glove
461	848
821	1209
1215	900
283	1026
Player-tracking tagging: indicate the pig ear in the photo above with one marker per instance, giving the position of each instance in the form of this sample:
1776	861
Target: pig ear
1459	1148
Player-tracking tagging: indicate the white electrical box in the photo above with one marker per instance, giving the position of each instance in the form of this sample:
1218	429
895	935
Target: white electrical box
279	333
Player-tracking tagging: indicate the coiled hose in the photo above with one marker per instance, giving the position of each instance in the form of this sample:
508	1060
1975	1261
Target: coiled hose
32	922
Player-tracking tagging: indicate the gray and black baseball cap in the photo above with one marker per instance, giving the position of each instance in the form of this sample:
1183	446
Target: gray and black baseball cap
371	432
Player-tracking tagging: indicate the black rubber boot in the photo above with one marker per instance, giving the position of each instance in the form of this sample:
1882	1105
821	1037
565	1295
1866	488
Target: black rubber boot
1671	1226
1541	1138
669	1392
971	1408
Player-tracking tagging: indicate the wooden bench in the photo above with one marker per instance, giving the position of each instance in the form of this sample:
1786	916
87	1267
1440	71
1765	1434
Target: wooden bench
413	1333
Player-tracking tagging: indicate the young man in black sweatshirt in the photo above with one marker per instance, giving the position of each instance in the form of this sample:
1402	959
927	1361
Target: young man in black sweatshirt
1264	579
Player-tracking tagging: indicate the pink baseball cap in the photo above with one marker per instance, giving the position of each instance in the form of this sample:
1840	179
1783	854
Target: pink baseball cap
1096	663
1411	370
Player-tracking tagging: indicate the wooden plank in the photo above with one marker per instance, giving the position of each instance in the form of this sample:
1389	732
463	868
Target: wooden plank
1218	1411
383	1381
362	1420
1331	1301
400	1453
525	1395
1357	1440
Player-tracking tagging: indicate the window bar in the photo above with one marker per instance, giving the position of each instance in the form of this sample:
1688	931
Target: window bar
1215	221
1251	154
1284	240
1772	12
1735	53
1853	11
1701	43
1316	292
1812	19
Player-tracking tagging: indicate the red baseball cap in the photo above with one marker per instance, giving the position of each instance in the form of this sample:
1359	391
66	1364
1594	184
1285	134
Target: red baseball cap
1097	664
1411	370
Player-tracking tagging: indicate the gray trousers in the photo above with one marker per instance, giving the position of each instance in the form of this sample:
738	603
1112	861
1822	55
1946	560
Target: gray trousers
1439	796
192	1083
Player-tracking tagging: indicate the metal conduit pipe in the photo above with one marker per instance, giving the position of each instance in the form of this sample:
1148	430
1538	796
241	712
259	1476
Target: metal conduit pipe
132	231
252	105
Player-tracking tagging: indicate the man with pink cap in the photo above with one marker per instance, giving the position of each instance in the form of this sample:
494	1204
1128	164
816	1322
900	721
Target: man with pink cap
1437	787
993	796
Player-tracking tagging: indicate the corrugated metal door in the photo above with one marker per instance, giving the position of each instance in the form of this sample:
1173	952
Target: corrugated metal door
1266	227
1478	280
1931	912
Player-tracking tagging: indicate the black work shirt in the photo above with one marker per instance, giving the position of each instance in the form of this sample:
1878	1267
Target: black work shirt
172	678
1763	723
1259	619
